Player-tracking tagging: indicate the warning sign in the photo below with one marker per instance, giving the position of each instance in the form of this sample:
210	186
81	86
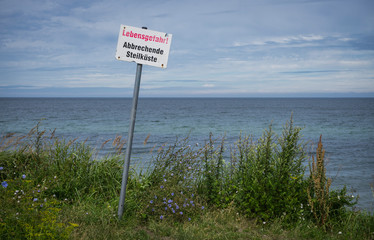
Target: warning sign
143	46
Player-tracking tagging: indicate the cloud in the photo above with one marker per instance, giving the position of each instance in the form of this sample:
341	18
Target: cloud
223	47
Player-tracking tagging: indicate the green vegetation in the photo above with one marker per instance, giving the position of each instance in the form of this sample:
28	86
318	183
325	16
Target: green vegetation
55	189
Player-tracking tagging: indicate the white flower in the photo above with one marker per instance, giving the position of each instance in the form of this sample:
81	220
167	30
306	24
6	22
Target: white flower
339	233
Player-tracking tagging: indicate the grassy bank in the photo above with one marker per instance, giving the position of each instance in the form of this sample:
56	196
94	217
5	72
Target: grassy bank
53	188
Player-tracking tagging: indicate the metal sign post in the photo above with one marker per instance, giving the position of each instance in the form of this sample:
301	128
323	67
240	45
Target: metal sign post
143	47
129	140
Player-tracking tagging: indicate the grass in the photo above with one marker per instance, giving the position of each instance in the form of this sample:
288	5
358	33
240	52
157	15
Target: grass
56	189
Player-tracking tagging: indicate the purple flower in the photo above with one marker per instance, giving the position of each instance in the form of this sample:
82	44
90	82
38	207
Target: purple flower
1	168
202	207
161	217
4	184
189	219
151	201
181	213
170	201
23	176
172	194
35	199
162	187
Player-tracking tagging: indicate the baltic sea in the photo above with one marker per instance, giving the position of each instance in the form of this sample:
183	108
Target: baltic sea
346	125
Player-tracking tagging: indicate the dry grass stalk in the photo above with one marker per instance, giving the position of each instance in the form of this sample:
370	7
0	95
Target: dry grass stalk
318	192
118	144
146	139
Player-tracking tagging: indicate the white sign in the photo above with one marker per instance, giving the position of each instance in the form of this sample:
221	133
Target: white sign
143	46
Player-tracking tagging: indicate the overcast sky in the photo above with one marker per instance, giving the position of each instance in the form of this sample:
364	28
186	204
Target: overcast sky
236	48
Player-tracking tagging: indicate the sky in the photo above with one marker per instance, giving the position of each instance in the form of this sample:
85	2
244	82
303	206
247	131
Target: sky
236	48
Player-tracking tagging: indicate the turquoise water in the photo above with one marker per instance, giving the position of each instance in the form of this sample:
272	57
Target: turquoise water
347	125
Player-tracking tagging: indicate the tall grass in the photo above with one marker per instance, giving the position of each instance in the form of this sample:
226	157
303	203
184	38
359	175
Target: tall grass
55	188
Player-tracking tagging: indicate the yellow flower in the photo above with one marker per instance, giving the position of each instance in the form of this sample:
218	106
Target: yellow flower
74	224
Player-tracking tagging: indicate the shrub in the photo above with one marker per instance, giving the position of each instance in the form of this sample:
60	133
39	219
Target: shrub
270	174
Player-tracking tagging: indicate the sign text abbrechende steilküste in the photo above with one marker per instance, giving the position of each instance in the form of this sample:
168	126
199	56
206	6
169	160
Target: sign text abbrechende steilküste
143	46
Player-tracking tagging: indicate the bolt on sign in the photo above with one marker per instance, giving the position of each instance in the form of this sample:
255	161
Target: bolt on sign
143	46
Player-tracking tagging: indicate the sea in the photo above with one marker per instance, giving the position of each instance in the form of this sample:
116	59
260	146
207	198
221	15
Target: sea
346	126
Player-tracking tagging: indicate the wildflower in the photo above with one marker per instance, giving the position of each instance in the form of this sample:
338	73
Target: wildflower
172	194
4	184
170	201
189	219
173	210
162	187
74	224
192	195
161	217
181	213
155	197
164	180
35	199
339	233
202	207
264	223
1	168
151	201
